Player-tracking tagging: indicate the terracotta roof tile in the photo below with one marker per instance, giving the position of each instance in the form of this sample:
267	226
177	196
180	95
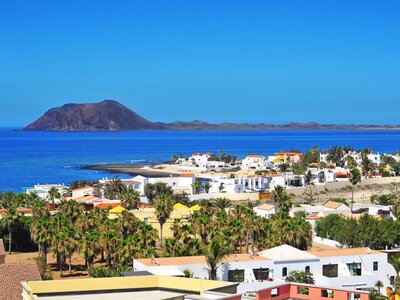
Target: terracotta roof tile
343	252
82	188
332	204
107	205
11	276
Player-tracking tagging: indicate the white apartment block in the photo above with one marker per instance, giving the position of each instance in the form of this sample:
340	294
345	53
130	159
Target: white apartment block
350	268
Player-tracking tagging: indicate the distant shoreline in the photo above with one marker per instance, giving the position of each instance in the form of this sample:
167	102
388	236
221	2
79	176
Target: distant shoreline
130	169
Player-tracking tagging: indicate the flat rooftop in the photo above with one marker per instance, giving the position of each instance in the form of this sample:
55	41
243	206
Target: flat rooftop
138	295
196	260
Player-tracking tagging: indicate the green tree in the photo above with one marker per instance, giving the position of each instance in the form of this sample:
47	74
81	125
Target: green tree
163	207
207	187
113	188
130	198
300	277
354	178
310	195
197	186
9	220
216	253
54	194
335	155
156	190
222	203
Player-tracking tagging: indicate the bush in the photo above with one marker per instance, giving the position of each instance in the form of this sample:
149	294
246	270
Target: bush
102	272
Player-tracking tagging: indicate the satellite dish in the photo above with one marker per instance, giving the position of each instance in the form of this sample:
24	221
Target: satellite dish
368	249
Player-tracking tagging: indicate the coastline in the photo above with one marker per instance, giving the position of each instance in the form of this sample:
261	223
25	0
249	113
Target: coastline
131	169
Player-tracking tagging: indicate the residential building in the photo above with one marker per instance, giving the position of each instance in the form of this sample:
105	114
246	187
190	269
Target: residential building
252	161
42	190
265	210
85	191
180	183
351	268
289	157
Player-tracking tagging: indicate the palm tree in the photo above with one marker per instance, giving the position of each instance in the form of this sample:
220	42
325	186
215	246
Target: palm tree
130	198
89	246
163	208
207	187
54	194
216	253
42	234
129	248
109	239
379	285
354	178
283	199
197	186
9	220
113	188
222	203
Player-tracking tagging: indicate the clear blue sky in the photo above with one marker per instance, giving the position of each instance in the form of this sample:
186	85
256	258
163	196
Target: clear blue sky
240	61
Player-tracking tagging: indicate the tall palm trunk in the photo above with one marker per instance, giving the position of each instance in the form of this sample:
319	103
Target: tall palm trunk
9	239
161	227
352	197
70	263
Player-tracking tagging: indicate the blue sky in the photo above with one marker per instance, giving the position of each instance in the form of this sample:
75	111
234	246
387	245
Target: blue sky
239	61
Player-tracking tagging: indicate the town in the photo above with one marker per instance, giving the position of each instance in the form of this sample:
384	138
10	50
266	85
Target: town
260	227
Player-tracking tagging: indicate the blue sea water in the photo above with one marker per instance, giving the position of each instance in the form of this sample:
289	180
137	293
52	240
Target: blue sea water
27	158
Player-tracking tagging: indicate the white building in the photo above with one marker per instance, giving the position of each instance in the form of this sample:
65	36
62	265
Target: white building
181	183
252	161
85	191
351	268
42	190
264	210
239	184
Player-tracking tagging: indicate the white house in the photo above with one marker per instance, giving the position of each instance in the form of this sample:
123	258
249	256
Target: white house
42	190
181	183
252	161
352	268
264	210
85	191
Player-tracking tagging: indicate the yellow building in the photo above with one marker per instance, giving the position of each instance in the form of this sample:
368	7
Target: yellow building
131	287
179	211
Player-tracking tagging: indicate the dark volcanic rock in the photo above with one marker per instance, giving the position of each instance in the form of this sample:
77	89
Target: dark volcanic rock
105	115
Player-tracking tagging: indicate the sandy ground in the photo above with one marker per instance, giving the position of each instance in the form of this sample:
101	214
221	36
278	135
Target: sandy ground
78	270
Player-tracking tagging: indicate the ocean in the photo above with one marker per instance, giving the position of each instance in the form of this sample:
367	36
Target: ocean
27	158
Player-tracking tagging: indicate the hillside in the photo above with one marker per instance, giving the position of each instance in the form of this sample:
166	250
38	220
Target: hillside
110	115
105	115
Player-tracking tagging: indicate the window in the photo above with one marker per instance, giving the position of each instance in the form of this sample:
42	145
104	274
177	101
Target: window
303	290
261	274
355	269
284	272
330	270
307	269
236	275
327	294
375	266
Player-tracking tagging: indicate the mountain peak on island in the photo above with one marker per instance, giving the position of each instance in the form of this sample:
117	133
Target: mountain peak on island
105	115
